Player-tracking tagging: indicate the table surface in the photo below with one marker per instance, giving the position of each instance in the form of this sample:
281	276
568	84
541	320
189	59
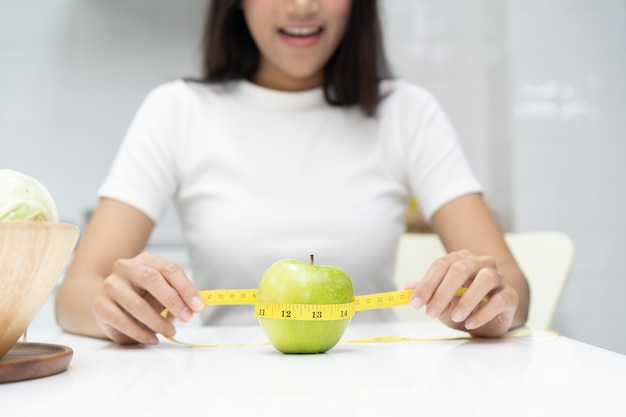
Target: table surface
537	374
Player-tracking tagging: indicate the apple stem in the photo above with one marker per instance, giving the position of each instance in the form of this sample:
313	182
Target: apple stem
312	259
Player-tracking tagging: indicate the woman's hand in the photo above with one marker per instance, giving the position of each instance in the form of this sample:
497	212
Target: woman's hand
488	306
132	297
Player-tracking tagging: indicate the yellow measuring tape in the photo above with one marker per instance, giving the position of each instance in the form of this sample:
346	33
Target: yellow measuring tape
310	312
313	312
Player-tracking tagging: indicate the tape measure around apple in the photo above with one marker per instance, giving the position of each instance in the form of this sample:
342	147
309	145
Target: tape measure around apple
310	312
303	307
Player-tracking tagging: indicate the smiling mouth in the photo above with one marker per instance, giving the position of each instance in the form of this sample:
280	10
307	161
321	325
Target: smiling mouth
301	32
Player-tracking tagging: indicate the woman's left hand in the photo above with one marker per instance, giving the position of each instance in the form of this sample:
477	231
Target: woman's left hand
487	308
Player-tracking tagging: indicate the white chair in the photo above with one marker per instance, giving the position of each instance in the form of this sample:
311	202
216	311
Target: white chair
545	257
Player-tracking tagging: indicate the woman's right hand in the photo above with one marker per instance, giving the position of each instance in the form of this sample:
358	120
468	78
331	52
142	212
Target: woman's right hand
132	297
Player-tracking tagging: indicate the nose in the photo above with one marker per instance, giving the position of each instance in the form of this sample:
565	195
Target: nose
302	7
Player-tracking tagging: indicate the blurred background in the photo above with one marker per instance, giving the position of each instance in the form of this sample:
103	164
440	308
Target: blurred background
536	89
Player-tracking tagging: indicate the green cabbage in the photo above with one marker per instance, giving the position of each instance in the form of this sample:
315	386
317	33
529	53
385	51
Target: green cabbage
24	198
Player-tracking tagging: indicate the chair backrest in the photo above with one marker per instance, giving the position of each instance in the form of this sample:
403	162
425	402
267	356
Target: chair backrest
545	257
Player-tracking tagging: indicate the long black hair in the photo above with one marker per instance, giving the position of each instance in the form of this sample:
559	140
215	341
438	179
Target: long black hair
351	75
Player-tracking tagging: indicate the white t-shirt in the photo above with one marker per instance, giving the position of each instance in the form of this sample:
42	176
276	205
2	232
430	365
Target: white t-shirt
258	175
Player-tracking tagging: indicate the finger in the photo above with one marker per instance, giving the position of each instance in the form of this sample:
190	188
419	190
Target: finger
484	283
499	309
426	287
459	273
410	285
144	273
118	326
137	307
180	282
460	270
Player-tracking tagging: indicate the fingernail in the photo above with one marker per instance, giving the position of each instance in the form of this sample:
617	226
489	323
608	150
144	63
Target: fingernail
185	314
431	312
153	340
196	303
470	324
171	332
457	316
416	303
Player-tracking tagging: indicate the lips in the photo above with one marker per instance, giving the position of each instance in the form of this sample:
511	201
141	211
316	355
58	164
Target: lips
301	32
301	36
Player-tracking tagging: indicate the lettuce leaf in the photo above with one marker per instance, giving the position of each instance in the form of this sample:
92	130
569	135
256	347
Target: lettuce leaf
24	198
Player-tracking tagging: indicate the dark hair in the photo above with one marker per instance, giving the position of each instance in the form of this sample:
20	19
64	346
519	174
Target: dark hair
351	75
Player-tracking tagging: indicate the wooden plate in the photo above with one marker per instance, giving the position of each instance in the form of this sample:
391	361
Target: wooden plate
34	360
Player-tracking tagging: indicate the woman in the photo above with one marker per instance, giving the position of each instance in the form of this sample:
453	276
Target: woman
293	143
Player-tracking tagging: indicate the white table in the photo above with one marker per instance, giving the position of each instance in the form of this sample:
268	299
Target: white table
538	375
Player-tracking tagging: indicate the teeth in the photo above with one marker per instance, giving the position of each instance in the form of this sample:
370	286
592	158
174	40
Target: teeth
298	31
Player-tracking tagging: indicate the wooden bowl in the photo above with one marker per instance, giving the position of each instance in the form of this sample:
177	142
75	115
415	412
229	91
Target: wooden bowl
32	258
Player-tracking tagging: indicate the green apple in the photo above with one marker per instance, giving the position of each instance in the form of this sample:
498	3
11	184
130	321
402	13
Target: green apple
293	281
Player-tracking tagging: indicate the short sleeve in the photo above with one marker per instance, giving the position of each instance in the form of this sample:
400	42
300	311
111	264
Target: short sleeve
437	166
144	174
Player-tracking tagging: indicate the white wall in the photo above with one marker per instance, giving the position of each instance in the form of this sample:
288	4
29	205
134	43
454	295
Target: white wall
569	76
72	73
459	51
536	89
